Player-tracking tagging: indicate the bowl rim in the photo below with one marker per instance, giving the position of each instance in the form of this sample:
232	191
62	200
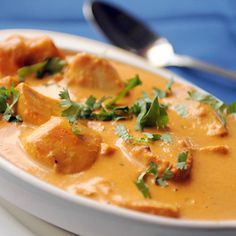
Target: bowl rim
70	42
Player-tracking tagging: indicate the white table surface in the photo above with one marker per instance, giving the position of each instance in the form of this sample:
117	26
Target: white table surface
16	222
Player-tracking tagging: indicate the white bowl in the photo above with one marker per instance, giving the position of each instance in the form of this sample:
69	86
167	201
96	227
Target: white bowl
81	215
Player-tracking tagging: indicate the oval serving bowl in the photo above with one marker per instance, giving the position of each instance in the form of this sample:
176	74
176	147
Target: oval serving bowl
81	215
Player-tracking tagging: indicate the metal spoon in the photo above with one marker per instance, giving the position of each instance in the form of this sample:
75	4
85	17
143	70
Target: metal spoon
127	32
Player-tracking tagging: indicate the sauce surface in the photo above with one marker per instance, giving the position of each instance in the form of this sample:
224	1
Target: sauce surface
207	193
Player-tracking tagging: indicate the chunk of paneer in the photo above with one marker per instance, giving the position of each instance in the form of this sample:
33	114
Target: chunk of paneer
55	146
18	51
34	107
42	48
12	52
89	71
150	206
105	191
141	155
220	149
216	128
96	188
107	150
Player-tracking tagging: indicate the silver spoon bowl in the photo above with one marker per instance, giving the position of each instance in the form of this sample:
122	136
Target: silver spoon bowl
128	32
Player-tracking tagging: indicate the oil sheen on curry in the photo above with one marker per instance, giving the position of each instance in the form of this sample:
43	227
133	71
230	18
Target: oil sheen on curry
115	133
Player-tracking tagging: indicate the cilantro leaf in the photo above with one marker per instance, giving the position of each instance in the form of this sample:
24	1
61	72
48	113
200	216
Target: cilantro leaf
121	113
3	99
152	169
162	94
28	70
231	108
140	140
169	86
163	137
151	115
75	130
64	95
181	110
197	96
53	65
71	113
167	175
142	187
50	66
152	137
159	93
182	161
99	103
91	109
140	182
103	115
123	133
206	99
217	105
90	102
116	113
221	117
72	110
6	108
131	83
166	138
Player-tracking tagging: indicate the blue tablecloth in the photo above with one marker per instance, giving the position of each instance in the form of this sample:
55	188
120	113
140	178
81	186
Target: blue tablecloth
202	29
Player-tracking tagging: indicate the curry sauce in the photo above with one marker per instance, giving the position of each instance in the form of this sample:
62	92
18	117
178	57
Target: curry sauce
178	160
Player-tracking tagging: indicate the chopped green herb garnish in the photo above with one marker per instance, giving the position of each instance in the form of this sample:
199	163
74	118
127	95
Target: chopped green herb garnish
152	114
131	83
167	175
6	108
4	93
91	109
231	109
123	133
28	70
218	106
53	65
153	170
140	182
76	131
99	103
181	110
153	137
182	161
163	137
169	85
159	93
72	110
49	66
166	138
142	187
162	94
206	98
103	115
90	102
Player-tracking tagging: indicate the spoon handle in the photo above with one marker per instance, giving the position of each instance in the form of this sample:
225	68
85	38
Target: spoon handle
189	62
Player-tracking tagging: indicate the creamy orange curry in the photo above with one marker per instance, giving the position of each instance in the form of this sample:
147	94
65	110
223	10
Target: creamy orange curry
116	133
